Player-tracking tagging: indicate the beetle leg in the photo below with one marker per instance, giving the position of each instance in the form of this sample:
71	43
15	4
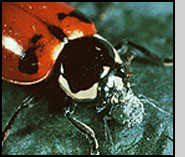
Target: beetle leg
125	46
84	129
107	129
27	103
127	65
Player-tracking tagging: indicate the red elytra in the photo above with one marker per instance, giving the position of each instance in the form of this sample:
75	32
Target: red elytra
21	22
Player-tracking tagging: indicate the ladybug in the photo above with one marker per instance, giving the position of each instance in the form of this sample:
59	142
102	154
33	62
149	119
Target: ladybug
38	37
42	41
33	51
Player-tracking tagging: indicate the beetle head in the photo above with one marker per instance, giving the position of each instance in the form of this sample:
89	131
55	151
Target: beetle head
83	63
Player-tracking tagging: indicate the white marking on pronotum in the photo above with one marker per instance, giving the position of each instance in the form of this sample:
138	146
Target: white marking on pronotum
105	71
61	68
82	95
12	45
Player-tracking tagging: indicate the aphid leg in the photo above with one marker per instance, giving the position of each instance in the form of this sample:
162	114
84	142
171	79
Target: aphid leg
107	129
27	103
125	47
85	130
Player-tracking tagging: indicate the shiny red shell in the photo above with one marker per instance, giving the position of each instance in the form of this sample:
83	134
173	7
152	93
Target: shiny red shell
21	21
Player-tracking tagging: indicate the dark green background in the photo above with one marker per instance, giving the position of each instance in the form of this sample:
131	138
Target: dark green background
38	131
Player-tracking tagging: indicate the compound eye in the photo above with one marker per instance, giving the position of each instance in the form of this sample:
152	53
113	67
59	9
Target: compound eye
84	62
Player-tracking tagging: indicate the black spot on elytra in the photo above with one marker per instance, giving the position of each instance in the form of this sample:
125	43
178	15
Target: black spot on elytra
57	32
80	16
28	62
61	16
75	13
36	38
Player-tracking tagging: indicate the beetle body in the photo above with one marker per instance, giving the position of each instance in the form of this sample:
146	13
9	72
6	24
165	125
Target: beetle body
42	39
32	44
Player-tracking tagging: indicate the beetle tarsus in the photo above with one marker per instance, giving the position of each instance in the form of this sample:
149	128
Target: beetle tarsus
85	130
